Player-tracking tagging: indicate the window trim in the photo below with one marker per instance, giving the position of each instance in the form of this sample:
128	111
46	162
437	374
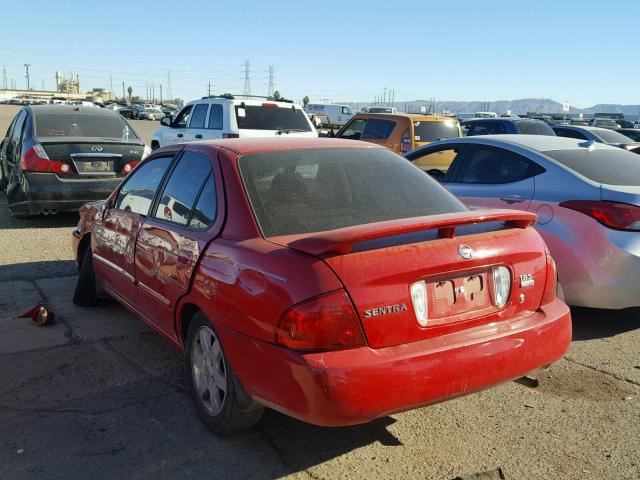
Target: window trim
175	124
206	116
215	171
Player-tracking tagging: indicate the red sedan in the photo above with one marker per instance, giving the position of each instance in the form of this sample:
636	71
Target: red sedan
330	280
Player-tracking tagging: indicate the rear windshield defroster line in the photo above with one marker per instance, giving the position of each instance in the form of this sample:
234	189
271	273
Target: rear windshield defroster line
315	190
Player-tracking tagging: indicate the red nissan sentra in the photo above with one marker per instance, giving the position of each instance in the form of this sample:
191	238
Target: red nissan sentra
330	280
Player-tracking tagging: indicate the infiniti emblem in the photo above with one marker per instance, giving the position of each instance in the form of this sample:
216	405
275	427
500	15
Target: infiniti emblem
465	252
96	148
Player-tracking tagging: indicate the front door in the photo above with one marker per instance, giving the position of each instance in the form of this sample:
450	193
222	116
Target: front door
197	123
172	238
114	236
176	133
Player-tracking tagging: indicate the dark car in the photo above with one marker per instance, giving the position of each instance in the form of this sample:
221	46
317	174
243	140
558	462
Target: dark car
500	126
632	133
598	135
56	158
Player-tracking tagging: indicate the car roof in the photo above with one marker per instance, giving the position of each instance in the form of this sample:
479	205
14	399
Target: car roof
243	146
502	119
69	109
423	117
541	143
583	127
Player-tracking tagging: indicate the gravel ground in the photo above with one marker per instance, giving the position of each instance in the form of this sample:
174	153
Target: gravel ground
99	395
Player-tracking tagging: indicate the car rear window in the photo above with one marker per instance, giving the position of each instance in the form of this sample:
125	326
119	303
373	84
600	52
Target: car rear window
376	129
431	131
314	190
535	128
257	117
612	166
610	136
111	127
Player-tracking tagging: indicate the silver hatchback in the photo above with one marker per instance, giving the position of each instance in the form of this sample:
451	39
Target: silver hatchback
586	196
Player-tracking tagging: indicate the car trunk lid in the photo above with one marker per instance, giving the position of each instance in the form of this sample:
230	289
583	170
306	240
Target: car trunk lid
93	158
378	264
620	193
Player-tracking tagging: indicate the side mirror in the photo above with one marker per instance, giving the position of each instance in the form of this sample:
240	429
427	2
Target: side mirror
166	121
437	174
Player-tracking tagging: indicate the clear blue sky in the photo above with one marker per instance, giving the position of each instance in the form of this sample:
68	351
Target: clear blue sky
582	51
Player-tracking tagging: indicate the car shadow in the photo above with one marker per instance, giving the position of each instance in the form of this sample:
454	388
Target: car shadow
592	323
62	219
37	270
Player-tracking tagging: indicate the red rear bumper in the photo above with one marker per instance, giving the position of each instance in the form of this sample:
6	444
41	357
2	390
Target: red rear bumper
358	385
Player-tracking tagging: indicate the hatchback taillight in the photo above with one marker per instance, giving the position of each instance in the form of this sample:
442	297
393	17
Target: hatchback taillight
405	141
35	159
327	322
619	216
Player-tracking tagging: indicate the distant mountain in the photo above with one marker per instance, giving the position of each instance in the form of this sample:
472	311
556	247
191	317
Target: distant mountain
517	107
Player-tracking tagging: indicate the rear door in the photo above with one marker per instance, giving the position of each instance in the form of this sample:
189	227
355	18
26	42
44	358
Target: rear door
196	130
114	237
173	235
215	122
492	177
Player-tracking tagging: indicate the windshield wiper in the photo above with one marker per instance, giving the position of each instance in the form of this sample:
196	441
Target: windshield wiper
289	130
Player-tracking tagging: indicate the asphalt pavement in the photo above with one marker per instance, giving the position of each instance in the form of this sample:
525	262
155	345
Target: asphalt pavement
99	395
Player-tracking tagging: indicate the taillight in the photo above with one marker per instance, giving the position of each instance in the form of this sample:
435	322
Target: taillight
419	300
129	166
405	141
619	216
551	281
327	322
270	105
230	135
35	159
501	285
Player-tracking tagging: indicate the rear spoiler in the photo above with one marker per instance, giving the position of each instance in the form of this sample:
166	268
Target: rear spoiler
342	240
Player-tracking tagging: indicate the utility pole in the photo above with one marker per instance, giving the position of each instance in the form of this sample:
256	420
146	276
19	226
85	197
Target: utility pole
209	89
384	96
247	85
271	88
124	95
26	66
4	77
153	92
169	95
160	94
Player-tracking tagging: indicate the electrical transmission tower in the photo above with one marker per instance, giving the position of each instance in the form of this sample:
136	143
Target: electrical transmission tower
4	77
271	88
26	66
247	84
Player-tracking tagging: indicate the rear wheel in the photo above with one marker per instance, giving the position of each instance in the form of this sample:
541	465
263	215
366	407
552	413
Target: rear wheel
214	388
85	294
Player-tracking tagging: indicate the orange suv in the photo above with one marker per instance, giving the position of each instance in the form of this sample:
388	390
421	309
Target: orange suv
400	132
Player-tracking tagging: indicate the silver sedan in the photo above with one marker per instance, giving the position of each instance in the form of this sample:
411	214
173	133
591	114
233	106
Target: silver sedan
586	196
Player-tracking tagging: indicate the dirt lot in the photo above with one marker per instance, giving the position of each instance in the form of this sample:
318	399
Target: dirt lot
99	395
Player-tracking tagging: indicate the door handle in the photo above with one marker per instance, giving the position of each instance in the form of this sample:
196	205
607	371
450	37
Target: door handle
179	135
198	136
513	199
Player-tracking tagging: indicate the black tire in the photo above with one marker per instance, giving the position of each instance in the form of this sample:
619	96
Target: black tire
85	294
237	412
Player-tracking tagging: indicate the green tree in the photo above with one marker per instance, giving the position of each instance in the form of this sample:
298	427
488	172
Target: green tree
276	95
305	101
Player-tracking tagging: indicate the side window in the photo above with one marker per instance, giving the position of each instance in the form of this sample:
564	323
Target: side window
140	187
346	111
215	116
485	165
498	129
199	115
205	212
181	190
17	126
439	160
182	119
378	129
568	133
354	129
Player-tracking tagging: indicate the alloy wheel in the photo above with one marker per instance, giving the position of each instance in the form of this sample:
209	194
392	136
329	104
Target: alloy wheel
209	370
